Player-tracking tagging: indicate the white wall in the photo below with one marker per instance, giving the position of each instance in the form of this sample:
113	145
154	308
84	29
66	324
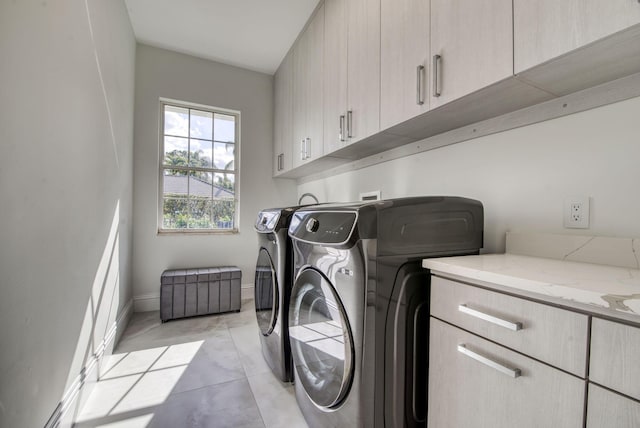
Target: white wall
162	73
523	175
66	134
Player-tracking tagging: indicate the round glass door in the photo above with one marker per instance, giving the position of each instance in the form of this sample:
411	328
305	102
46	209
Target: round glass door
266	293
321	341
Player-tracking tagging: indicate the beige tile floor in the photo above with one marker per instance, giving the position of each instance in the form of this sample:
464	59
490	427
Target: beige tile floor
198	372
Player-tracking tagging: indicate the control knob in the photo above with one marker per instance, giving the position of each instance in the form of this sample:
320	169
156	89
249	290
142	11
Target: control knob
312	225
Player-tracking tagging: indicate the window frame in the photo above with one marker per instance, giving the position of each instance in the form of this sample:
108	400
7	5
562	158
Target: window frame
161	167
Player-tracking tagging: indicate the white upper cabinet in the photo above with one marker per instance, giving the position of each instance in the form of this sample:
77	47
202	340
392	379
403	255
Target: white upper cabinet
363	69
404	60
418	68
335	74
545	29
283	116
307	92
352	71
471	46
570	45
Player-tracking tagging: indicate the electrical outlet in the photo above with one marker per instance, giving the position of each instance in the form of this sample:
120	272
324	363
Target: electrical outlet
576	212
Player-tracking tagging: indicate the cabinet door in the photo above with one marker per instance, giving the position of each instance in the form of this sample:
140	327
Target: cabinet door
283	112
314	85
474	41
466	392
300	96
307	92
619	369
335	74
608	409
404	60
363	68
545	29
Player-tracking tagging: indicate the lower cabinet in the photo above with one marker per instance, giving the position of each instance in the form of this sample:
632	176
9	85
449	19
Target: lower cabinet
477	383
614	363
608	409
499	360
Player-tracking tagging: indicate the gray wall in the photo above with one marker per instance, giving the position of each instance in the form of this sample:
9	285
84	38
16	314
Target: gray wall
162	73
66	134
523	175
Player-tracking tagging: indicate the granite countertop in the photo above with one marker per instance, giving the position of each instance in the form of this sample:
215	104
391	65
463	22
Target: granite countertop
610	291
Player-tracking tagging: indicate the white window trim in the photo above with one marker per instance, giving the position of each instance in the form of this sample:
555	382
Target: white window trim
160	163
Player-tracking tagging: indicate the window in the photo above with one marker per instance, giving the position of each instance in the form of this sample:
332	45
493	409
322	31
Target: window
198	168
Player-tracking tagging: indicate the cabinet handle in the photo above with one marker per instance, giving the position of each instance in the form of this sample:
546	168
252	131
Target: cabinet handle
419	78
349	123
302	149
307	148
280	161
514	373
437	64
515	326
341	134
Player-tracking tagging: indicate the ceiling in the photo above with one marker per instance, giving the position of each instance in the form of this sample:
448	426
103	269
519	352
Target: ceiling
252	34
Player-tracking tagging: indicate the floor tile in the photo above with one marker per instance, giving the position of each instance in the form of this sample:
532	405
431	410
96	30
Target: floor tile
130	363
247	343
106	395
276	402
217	361
229	404
157	334
190	373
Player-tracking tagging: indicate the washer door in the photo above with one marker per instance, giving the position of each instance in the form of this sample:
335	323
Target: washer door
266	293
321	340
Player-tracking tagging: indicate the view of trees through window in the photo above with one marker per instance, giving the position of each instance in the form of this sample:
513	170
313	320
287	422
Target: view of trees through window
198	168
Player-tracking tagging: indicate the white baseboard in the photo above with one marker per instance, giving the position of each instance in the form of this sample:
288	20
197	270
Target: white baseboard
146	302
246	292
123	320
70	397
151	301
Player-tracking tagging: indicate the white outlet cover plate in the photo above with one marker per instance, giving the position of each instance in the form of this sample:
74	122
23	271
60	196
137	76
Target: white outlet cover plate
581	218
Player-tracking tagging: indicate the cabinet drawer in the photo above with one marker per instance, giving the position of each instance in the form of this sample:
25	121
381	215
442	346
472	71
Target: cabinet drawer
615	356
464	392
555	336
608	409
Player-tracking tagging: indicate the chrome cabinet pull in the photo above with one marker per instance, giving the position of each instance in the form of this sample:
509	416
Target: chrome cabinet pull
302	149
514	373
281	162
341	133
437	64
349	123
419	78
307	148
515	326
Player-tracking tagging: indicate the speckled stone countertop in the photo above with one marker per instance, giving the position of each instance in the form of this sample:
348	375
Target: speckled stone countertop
610	291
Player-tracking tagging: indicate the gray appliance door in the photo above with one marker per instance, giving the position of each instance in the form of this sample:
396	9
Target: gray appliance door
266	293
321	340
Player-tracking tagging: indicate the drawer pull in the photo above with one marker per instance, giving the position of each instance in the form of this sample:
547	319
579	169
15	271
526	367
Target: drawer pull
514	373
515	326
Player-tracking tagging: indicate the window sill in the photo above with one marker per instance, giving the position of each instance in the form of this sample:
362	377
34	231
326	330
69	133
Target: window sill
169	232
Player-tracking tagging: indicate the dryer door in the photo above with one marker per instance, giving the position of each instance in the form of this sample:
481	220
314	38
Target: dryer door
321	340
266	293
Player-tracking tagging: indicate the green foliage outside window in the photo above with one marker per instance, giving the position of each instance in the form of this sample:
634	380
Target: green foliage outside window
206	213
